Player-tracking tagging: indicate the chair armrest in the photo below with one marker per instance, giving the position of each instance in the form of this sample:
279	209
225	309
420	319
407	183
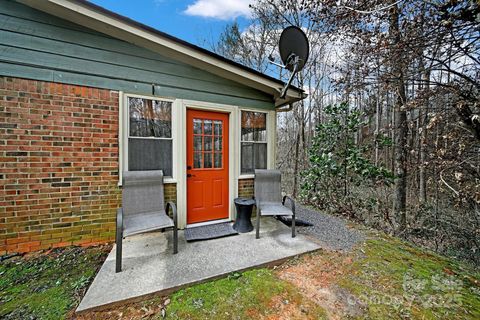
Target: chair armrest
174	212
119	219
292	203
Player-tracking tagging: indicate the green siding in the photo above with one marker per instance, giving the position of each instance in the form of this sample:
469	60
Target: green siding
38	46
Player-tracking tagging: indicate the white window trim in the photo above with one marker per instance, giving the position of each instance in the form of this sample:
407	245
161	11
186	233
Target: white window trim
124	133
246	176
179	110
271	128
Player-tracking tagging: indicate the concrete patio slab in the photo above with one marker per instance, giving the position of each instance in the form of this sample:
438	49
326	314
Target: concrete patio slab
150	267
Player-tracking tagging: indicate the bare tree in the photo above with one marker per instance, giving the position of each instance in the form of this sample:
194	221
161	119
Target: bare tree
411	69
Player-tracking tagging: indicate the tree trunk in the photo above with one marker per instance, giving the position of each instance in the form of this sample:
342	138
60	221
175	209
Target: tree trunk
423	141
377	118
400	162
400	150
392	129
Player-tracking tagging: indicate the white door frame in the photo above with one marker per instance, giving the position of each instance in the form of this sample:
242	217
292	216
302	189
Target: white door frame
233	161
179	148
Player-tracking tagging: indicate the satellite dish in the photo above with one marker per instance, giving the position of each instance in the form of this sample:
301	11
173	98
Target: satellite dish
294	50
293	43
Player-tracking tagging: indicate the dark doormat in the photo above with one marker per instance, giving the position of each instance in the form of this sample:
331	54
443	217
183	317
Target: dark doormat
210	231
298	222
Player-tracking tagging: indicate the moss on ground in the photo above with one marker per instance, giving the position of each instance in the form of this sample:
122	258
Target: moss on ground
384	278
394	279
47	286
254	294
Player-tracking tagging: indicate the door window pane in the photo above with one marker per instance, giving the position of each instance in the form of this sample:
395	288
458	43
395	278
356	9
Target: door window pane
218	160
218	127
207	127
197	126
197	143
218	144
197	159
207	143
207	160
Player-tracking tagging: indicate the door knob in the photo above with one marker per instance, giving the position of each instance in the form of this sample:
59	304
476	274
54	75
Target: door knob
189	175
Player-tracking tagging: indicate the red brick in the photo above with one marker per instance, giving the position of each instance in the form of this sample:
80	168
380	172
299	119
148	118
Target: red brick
60	139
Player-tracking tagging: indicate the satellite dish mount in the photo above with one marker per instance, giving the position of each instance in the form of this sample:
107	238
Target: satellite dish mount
293	60
294	50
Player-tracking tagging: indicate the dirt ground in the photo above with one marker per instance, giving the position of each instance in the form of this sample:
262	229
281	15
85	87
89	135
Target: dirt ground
316	277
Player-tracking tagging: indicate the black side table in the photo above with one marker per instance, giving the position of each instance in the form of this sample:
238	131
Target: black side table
244	208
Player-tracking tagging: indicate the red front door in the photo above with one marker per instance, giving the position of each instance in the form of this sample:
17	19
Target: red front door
207	166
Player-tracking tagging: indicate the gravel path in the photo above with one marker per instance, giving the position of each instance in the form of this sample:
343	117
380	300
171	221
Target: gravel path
331	231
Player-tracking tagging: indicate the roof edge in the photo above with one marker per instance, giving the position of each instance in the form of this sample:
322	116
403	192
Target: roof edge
84	12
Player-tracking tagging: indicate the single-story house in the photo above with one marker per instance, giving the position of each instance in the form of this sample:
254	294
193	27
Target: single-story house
86	94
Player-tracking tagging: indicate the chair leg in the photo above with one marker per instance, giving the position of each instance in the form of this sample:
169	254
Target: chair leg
118	258
258	225
175	224
293	226
175	240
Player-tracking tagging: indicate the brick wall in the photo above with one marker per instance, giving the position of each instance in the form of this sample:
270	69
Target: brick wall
245	188
58	165
170	192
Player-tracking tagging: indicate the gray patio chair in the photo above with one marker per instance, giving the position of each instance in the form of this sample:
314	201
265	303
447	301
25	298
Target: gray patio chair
268	197
143	209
